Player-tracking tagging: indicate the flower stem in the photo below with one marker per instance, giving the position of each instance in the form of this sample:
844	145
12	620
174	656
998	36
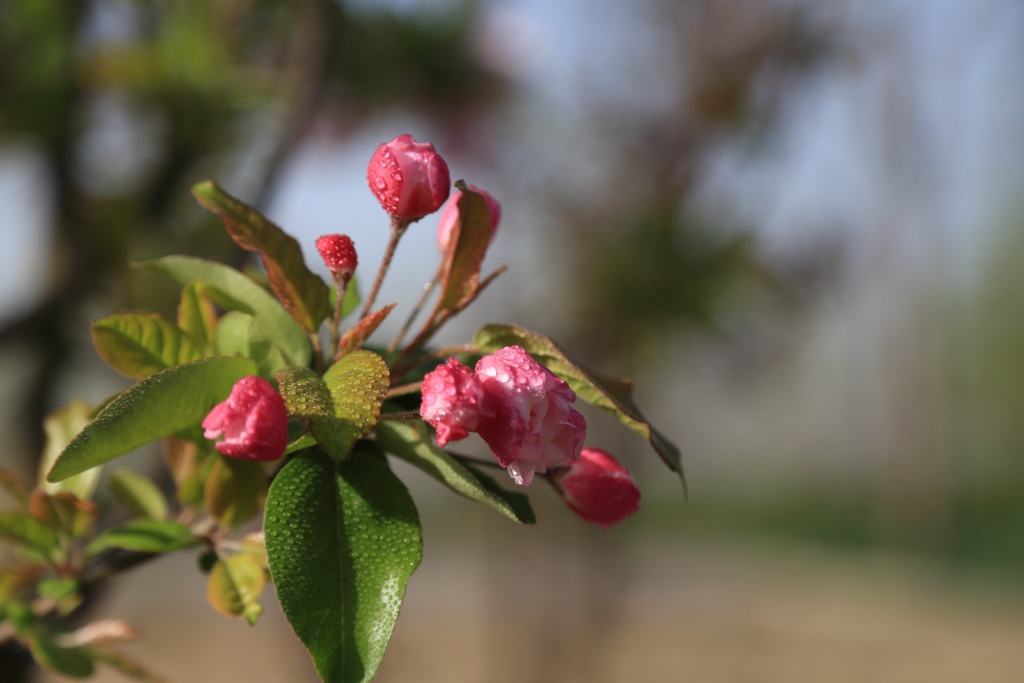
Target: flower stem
318	353
452	351
403	390
437	319
341	285
466	459
412	415
428	289
398	227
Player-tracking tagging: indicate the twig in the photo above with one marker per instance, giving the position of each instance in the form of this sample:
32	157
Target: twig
437	319
476	461
398	227
428	289
413	415
403	390
341	286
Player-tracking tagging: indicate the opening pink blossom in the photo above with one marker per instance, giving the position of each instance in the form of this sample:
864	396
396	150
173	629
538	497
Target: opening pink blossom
253	422
518	407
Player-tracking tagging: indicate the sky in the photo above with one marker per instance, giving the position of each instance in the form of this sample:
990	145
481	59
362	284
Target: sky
834	165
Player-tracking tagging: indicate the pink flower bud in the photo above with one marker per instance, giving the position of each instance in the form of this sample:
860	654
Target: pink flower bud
597	488
450	216
253	421
339	253
535	425
409	178
516	405
453	402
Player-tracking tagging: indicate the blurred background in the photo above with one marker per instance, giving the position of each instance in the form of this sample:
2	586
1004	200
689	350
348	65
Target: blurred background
797	225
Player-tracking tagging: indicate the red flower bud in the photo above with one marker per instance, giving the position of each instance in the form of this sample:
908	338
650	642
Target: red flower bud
253	421
450	216
597	488
339	253
409	178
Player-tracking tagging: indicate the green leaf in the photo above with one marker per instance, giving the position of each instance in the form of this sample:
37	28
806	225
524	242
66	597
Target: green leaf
234	586
144	535
304	441
232	290
234	490
139	494
137	345
24	528
303	294
357	383
611	394
411	442
305	394
344	406
197	316
467	246
125	666
238	334
158	406
189	464
56	588
61	428
72	662
342	538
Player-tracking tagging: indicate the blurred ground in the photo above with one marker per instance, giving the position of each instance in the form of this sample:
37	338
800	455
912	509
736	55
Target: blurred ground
717	613
564	602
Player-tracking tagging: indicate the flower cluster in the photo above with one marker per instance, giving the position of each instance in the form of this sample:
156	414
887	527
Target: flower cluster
519	407
521	410
315	409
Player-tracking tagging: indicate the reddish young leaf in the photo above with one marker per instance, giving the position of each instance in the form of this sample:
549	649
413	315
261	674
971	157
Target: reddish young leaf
357	336
303	294
14	488
467	246
64	512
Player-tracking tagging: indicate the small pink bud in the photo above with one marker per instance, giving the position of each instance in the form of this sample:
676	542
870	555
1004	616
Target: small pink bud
453	402
450	216
597	488
409	178
339	253
253	421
